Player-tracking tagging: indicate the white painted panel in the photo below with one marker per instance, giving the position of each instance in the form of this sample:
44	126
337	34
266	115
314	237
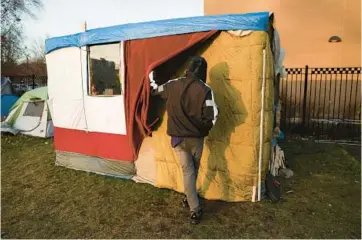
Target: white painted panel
65	74
67	85
106	114
65	88
103	113
69	114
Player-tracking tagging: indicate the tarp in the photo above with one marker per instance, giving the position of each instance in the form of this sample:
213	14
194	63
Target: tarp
7	101
142	56
93	164
249	21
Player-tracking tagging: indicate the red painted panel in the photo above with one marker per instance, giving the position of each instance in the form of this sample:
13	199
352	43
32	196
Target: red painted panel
104	145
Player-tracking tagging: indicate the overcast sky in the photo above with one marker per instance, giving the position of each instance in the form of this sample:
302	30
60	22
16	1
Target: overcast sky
62	17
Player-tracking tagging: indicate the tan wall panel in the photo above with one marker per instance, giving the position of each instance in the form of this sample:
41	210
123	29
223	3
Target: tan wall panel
305	27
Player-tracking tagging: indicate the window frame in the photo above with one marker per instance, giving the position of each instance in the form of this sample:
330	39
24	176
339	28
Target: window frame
32	107
121	76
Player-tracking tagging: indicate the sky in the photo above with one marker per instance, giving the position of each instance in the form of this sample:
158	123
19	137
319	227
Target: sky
62	17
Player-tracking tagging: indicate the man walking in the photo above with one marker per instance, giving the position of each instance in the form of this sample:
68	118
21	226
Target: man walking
192	113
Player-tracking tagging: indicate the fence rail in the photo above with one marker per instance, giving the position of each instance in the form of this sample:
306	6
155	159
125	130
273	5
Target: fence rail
322	102
30	80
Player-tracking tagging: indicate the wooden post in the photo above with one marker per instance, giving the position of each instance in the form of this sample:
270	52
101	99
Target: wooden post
84	28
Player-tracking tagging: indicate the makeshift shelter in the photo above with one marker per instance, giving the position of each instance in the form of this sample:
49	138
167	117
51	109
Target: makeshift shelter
104	116
30	115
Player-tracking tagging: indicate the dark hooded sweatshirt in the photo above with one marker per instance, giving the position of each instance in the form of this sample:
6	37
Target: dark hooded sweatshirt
190	106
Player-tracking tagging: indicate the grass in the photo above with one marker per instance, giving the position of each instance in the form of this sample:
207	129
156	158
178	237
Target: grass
40	200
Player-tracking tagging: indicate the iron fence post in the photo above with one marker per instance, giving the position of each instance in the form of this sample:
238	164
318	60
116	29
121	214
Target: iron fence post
33	79
305	97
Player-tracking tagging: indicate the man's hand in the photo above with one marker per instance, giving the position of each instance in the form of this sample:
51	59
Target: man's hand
152	81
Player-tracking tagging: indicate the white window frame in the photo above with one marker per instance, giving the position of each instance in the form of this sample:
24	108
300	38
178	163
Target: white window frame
121	70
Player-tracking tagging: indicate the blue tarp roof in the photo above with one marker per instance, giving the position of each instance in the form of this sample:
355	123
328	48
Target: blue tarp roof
249	21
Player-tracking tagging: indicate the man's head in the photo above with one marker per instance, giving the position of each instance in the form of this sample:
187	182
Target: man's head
197	68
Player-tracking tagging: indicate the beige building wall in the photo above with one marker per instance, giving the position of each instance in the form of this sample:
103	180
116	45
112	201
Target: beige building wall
305	27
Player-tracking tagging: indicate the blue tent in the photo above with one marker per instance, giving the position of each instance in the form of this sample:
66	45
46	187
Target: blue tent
7	101
7	97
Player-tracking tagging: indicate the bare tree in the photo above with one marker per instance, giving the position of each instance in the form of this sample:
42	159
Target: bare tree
11	28
11	47
12	10
37	49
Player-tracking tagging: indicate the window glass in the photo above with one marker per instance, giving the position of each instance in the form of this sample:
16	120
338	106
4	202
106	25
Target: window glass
104	63
34	109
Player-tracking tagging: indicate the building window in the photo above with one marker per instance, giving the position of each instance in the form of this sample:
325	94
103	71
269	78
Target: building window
104	70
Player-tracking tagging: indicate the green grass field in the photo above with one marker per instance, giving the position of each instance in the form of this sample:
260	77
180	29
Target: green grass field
40	200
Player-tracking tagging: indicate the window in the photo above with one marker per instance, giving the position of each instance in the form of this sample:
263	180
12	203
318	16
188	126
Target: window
104	65
34	109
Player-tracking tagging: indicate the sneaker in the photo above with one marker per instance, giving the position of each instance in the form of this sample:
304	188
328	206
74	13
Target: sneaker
185	204
195	217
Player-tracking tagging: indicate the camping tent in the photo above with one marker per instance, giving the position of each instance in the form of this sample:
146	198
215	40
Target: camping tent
30	115
106	121
7	97
6	86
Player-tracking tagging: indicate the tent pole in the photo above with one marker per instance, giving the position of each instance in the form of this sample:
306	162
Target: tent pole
122	68
261	125
82	77
254	194
84	26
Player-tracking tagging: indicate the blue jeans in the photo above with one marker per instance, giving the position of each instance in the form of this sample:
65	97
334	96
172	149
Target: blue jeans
189	152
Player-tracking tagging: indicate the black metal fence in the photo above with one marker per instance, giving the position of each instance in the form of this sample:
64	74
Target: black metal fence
23	84
32	81
324	103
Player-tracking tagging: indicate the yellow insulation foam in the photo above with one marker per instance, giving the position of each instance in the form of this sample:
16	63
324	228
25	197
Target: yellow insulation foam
229	165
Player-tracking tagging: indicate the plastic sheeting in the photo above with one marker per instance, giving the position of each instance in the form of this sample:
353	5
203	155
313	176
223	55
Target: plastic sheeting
7	101
95	164
229	165
249	21
279	54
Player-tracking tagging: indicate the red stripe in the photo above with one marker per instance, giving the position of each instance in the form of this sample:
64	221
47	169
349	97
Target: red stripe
104	145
